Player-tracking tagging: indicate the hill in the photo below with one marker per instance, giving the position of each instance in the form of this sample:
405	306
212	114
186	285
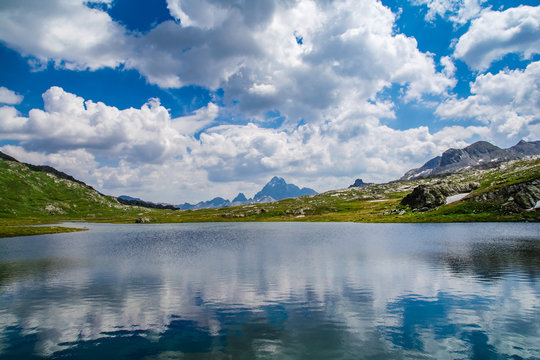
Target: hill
42	192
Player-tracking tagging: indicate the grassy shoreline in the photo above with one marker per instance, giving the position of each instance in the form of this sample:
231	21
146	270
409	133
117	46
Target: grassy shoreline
29	230
366	213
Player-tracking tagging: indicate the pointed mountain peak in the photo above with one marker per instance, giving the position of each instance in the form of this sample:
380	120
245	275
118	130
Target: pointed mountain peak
278	189
276	181
240	198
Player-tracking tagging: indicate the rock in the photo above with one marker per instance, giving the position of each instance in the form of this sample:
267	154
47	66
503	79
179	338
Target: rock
359	183
516	197
301	211
142	220
54	210
426	197
234	215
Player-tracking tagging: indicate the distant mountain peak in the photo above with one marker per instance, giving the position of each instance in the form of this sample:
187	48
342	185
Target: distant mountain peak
277	188
359	183
240	198
276	181
526	148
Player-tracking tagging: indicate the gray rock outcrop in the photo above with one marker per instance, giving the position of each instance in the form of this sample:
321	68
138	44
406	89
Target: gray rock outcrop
426	197
514	198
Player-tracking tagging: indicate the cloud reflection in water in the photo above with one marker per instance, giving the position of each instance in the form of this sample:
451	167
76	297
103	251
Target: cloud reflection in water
273	291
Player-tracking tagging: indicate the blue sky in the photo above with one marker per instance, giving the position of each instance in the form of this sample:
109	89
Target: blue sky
183	100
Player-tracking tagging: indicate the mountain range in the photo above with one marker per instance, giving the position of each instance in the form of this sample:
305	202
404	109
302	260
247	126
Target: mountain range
276	189
481	153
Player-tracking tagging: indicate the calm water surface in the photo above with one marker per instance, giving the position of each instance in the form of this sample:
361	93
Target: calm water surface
273	291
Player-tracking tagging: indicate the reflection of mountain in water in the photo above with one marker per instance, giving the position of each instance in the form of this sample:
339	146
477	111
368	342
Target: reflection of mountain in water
494	260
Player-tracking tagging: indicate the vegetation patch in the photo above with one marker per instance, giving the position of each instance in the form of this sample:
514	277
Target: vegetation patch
21	230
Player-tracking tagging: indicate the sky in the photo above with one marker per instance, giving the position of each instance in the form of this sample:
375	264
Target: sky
183	100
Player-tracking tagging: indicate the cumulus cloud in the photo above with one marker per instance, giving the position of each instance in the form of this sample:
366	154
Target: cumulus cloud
348	53
149	154
68	33
69	122
9	97
458	11
497	33
325	63
508	102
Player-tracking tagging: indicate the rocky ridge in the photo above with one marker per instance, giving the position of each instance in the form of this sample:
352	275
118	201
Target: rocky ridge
480	153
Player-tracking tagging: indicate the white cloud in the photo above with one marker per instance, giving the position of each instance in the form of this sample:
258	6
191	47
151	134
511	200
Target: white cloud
449	68
349	51
146	152
507	102
333	80
9	97
69	33
458	11
143	135
497	33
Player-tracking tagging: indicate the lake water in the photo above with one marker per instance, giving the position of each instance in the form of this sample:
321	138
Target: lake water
273	291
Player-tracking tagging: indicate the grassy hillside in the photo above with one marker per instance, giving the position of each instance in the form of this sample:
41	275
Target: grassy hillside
31	196
36	195
28	193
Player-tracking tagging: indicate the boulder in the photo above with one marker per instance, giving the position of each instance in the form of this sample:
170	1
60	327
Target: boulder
426	197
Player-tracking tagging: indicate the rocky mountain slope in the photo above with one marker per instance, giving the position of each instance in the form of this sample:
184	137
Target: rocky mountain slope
526	148
480	153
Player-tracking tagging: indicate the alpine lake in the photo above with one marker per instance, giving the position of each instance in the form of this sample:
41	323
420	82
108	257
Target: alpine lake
273	291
